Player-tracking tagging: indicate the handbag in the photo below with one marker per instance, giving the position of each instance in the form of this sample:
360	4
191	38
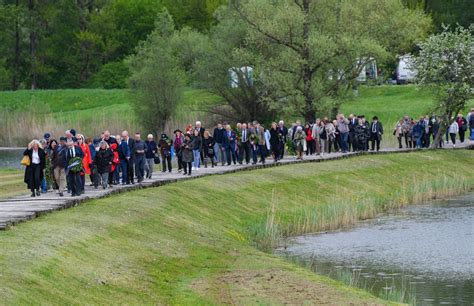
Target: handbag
25	161
156	159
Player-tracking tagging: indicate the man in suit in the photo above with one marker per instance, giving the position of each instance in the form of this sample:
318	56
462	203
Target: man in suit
352	139
124	157
244	146
140	150
230	145
131	161
376	132
260	133
73	177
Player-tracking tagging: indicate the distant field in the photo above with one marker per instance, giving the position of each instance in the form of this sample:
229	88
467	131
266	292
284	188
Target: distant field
26	114
390	103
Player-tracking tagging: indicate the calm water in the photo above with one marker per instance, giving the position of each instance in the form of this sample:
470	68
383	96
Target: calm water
11	158
423	254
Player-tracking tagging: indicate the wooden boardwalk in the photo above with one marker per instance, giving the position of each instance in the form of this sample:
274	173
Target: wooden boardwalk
24	208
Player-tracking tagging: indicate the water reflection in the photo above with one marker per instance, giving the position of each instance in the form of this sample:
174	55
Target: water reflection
423	254
10	158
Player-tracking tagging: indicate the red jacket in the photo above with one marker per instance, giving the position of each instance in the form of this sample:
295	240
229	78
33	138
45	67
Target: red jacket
309	135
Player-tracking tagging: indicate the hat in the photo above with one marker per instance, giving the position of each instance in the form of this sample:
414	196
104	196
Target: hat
62	138
164	136
177	130
47	136
73	132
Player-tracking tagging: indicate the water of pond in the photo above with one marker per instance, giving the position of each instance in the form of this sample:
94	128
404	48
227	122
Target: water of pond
10	158
423	254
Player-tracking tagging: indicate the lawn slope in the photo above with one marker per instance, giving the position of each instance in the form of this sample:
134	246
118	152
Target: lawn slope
201	241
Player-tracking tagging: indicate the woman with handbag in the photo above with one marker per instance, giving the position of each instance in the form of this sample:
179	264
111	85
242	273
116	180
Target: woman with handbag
208	149
34	158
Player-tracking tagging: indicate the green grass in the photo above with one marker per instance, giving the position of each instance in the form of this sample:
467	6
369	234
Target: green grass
94	110
198	241
11	183
391	103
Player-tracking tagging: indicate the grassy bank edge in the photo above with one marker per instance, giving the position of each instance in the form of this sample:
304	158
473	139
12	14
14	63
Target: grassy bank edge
234	226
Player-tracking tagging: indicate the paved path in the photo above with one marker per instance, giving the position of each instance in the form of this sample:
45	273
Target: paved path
23	208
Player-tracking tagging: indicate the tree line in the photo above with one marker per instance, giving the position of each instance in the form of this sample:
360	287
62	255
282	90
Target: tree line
82	43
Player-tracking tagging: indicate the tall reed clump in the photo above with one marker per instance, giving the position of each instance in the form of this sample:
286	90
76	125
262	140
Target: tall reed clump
341	211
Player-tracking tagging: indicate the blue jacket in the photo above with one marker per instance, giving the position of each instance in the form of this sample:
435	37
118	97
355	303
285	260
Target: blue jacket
229	141
418	130
124	150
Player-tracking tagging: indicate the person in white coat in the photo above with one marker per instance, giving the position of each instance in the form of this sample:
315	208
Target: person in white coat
453	131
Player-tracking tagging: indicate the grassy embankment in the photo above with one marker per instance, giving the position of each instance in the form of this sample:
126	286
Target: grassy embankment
201	241
26	113
11	183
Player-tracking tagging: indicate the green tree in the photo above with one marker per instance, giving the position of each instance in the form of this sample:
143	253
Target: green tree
310	52
157	78
446	65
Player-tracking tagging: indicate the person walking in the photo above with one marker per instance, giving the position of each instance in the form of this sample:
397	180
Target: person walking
75	166
417	133
376	132
316	132
362	133
86	160
151	151
462	124
124	156
407	127
197	147
165	151
103	162
299	139
140	148
397	132
470	120
276	139
187	154
219	139
244	147
309	139
260	133
208	149
343	128
131	161
453	131
177	145
34	171
230	145
58	164
352	139
283	130
330	133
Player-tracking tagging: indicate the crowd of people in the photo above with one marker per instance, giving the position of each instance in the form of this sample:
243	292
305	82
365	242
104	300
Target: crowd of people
108	160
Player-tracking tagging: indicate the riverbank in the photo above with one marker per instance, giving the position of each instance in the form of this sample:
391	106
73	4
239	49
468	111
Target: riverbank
200	241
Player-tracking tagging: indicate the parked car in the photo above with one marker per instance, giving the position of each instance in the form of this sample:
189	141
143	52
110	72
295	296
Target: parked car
405	73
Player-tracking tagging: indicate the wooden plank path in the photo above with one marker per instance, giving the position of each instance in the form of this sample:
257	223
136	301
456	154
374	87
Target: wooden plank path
24	208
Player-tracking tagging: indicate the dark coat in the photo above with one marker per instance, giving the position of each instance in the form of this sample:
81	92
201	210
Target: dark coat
208	144
28	173
275	138
79	153
219	135
362	133
152	149
58	157
103	160
131	146
229	141
378	130
187	151
165	147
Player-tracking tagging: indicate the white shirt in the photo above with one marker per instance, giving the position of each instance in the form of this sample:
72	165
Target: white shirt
35	158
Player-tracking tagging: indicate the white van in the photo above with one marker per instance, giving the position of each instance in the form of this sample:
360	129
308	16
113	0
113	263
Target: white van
405	72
